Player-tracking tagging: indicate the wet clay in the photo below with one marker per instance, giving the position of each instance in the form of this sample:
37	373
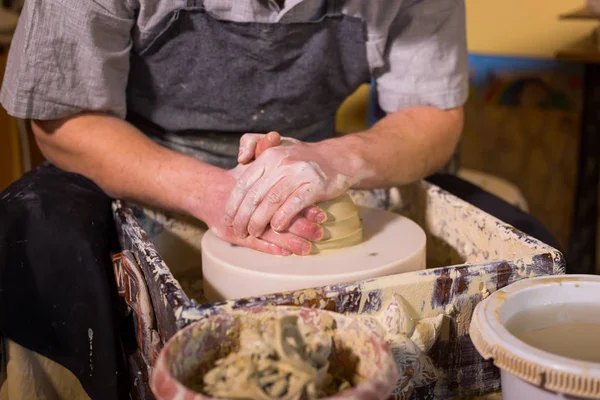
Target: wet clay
568	330
278	358
343	226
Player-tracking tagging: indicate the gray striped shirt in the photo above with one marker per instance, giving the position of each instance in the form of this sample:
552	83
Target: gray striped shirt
71	56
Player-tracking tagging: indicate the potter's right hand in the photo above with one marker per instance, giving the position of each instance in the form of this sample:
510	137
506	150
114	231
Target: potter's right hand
294	240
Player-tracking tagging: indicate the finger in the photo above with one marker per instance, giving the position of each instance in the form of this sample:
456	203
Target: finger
302	197
288	241
254	197
251	242
264	246
271	202
248	146
314	214
300	226
305	229
242	185
271	139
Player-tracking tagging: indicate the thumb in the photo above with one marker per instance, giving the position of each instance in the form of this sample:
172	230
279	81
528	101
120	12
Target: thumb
271	139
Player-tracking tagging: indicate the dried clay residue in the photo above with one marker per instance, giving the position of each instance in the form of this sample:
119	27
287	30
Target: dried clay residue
278	358
192	284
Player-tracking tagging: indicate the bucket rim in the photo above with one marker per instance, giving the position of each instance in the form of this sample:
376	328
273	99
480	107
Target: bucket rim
538	367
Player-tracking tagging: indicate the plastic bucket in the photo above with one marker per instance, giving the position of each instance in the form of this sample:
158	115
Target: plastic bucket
541	333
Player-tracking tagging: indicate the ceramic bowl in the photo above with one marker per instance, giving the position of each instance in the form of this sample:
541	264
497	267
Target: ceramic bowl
195	349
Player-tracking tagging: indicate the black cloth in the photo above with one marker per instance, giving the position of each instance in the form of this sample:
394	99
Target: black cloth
57	289
495	206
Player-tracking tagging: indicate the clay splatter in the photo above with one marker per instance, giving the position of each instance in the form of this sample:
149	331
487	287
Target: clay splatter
476	254
91	339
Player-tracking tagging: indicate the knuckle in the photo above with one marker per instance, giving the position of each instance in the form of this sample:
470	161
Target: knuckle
316	176
253	197
274	197
241	186
272	152
246	137
244	140
238	225
299	198
230	210
308	189
302	227
304	166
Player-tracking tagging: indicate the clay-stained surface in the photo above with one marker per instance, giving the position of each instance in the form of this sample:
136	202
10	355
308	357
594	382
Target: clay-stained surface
168	299
469	255
449	294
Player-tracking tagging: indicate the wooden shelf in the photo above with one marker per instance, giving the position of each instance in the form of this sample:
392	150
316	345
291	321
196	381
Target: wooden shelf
581	13
585	50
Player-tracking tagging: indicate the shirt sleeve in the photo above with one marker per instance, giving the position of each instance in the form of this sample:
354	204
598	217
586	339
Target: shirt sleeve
66	57
425	60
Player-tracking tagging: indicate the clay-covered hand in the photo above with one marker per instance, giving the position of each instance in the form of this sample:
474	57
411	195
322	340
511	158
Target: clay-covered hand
275	187
294	240
252	145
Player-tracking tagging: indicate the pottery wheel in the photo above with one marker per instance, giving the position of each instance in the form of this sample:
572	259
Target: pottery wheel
360	243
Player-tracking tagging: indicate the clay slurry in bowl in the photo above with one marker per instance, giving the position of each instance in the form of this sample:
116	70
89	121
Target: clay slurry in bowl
275	353
569	330
278	359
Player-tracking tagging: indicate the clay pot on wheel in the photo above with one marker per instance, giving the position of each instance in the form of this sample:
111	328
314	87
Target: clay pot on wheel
356	352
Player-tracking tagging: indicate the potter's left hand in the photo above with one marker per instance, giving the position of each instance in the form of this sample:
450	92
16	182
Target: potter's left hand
285	180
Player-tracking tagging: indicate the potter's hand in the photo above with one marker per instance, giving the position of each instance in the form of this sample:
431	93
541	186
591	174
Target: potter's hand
285	180
252	145
294	240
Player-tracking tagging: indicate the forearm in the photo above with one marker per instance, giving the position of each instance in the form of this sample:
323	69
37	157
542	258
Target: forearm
402	147
127	165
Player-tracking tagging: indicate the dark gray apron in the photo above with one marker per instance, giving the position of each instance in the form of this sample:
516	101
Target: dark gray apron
200	83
